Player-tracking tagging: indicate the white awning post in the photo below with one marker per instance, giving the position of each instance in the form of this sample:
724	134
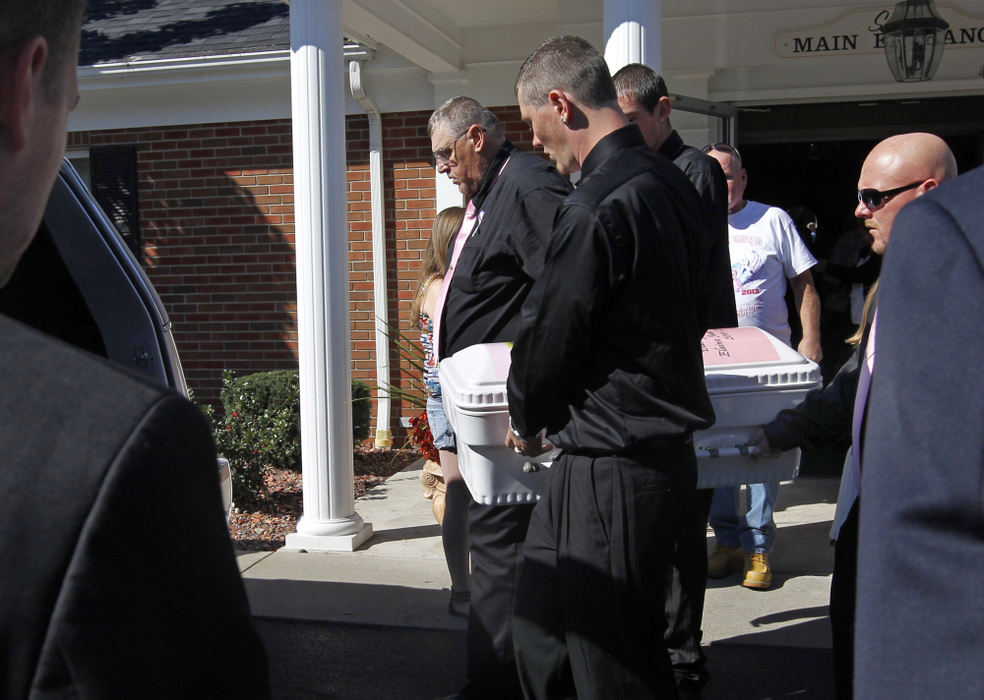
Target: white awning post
384	436
329	521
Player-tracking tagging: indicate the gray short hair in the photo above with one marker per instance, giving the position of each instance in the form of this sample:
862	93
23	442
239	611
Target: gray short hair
567	63
458	113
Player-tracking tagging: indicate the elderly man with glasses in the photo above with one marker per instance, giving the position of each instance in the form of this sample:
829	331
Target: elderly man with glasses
765	251
494	259
897	171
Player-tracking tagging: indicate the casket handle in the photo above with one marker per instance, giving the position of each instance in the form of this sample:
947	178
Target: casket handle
736	451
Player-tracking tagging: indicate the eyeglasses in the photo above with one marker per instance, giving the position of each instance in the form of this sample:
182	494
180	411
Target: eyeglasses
872	198
724	148
443	156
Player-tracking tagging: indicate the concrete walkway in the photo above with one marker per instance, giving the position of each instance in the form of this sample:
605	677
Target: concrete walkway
399	578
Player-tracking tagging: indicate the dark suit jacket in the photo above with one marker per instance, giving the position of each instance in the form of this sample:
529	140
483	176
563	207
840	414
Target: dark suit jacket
824	416
920	605
503	255
117	575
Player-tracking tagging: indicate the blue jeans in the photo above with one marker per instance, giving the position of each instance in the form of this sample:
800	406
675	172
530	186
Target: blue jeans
439	426
755	532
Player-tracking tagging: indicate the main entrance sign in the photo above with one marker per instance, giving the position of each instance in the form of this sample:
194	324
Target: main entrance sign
860	32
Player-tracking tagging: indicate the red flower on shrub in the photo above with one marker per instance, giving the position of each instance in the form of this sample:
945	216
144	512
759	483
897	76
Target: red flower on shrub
420	435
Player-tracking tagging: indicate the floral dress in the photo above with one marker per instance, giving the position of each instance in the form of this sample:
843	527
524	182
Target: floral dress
431	381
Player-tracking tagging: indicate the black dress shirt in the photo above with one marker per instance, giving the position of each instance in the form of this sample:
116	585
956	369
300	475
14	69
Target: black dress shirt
608	355
707	177
504	253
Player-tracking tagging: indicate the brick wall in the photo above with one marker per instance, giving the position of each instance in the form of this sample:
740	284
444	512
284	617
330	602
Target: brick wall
217	231
408	202
217	236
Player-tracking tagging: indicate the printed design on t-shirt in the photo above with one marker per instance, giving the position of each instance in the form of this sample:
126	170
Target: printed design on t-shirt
745	269
745	275
749	309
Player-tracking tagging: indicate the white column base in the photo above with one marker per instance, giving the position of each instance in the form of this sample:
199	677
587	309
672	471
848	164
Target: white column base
298	542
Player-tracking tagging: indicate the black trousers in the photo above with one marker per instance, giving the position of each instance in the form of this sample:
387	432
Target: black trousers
497	534
589	615
843	594
686	583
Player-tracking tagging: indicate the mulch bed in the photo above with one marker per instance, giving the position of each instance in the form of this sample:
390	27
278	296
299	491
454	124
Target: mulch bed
264	528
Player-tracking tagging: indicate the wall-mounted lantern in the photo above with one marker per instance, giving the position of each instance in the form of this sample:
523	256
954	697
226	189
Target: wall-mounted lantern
914	40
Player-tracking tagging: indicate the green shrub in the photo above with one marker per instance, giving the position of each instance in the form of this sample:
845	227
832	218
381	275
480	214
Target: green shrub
261	427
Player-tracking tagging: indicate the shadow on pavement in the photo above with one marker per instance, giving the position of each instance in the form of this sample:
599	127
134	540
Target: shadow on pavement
749	672
357	662
815	631
397	534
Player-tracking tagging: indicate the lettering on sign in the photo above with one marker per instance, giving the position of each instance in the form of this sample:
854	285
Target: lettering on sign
860	31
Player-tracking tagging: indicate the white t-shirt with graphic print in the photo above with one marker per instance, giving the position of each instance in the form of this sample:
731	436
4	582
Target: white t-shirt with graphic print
765	250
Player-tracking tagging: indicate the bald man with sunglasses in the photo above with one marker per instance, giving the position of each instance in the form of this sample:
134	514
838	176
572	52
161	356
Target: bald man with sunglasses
897	171
920	612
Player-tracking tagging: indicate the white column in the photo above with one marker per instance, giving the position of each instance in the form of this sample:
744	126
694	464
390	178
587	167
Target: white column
634	33
329	521
446	86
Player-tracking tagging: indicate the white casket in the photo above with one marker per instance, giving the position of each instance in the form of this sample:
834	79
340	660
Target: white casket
750	377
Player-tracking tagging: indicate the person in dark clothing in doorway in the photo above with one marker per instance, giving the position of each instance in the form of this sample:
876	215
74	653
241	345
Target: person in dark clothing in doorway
617	383
644	99
897	171
495	257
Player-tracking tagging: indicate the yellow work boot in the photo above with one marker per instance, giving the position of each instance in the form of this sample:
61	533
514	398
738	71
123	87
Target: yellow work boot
758	573
724	561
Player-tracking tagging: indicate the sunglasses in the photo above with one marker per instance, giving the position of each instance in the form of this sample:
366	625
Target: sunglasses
443	156
872	198
724	148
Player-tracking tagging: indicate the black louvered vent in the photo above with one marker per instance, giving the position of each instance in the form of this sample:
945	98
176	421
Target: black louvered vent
113	171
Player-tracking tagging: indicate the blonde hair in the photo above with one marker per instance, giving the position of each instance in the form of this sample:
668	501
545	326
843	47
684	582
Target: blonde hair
446	224
868	301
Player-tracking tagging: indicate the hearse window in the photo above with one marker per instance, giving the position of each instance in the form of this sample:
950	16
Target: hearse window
42	294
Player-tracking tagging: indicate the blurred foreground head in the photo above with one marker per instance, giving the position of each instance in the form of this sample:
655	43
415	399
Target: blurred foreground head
39	46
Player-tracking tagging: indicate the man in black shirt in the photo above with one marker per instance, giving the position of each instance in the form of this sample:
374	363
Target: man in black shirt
608	361
644	99
513	196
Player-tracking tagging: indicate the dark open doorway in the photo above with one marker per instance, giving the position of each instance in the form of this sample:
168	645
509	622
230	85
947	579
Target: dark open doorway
811	155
